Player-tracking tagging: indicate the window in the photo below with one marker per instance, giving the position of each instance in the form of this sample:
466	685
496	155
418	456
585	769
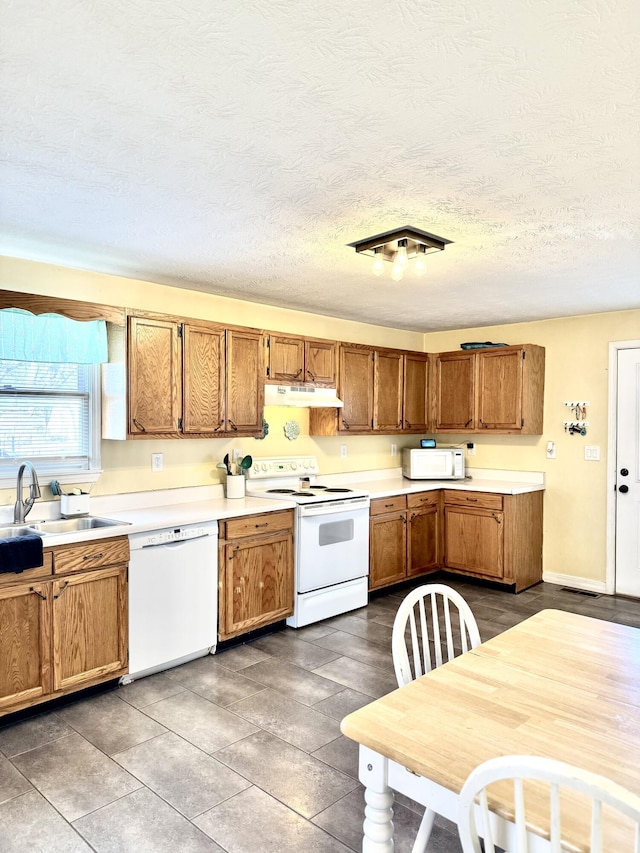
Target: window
49	414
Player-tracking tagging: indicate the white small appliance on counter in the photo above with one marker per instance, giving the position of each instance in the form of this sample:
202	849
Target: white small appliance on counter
433	463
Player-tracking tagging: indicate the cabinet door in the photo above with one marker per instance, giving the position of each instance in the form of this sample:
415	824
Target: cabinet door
203	379
155	392
286	358
455	391
89	627
474	540
423	546
387	549
245	381
500	389
388	381
416	399
356	388
258	582
25	638
320	362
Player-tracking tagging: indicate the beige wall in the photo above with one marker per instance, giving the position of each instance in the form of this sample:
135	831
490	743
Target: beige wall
577	362
576	368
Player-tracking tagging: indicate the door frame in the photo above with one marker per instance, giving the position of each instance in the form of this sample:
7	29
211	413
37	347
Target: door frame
614	348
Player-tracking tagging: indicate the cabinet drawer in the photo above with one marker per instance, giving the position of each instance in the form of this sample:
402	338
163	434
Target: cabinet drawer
423	499
90	555
252	525
481	499
380	506
43	571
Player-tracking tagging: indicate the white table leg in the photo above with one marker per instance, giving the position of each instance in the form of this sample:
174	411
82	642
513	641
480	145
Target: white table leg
378	796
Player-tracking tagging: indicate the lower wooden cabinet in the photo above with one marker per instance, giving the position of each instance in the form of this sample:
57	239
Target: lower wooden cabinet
478	534
404	537
62	628
256	580
497	537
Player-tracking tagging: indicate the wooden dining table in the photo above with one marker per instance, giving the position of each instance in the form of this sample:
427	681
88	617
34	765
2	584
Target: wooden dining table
558	684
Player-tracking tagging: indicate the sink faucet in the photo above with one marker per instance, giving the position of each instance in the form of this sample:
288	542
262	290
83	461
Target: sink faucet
22	508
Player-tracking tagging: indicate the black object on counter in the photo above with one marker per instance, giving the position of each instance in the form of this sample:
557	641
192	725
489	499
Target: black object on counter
20	553
479	345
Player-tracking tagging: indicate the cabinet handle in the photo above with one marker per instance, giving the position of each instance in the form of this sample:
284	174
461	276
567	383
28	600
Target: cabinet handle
313	378
264	524
345	424
139	425
387	505
66	584
38	593
407	424
220	425
233	426
92	556
468	422
472	500
497	518
298	373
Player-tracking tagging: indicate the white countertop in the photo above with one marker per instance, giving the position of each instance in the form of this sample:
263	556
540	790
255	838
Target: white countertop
145	511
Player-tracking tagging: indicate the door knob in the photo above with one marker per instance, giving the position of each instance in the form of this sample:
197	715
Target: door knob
624	472
623	489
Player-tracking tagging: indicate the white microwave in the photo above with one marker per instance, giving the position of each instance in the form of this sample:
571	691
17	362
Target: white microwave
433	463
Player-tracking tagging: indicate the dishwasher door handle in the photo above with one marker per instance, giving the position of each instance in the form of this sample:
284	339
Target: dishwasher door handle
176	544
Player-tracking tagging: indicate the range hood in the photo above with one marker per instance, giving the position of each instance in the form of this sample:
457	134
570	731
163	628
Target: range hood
302	397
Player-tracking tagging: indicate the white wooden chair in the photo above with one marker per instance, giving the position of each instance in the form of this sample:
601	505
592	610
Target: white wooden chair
557	775
433	624
430	642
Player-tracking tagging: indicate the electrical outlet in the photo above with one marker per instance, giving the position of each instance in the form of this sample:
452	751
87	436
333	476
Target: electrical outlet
157	462
394	449
592	452
343	451
236	455
471	449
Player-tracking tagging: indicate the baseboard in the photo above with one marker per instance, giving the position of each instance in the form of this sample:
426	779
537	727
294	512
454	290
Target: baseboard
575	582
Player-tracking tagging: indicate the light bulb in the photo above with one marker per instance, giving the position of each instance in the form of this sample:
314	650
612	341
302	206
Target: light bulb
378	262
420	265
397	272
401	254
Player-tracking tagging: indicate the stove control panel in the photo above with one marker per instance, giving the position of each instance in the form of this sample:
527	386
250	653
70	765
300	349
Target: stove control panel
283	466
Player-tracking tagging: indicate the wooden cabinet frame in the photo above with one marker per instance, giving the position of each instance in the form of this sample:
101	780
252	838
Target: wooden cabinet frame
296	360
68	630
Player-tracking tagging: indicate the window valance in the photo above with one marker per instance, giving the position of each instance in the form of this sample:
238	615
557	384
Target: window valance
51	338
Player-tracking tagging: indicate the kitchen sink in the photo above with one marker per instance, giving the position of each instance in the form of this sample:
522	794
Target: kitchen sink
15	530
73	525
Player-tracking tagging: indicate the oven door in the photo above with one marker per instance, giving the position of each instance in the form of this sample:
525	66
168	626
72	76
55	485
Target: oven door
332	543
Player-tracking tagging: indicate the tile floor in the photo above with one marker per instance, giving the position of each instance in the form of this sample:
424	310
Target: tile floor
238	752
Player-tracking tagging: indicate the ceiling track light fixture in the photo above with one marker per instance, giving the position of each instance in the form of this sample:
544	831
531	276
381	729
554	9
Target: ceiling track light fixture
399	247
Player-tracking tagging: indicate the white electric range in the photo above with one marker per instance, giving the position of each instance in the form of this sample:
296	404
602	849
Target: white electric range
331	536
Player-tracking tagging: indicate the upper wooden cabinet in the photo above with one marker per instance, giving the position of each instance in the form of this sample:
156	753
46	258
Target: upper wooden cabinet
245	385
499	390
155	376
415	400
294	359
388	387
383	391
355	388
191	379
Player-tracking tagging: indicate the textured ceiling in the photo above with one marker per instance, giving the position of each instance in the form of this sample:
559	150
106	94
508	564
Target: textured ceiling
237	147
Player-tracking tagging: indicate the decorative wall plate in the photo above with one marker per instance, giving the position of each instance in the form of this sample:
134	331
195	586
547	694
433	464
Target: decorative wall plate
292	430
265	431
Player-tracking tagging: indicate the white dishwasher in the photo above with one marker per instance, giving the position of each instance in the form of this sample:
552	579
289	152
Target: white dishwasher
173	597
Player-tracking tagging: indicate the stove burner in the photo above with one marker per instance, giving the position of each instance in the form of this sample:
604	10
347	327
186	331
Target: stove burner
282	492
304	494
317	487
339	490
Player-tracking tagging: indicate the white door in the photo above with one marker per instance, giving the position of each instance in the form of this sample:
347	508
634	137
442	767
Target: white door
628	474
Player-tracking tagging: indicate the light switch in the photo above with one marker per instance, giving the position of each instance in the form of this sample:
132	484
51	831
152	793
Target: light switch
592	452
156	462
